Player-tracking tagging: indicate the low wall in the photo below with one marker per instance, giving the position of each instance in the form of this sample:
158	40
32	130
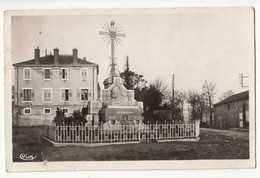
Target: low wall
33	120
49	131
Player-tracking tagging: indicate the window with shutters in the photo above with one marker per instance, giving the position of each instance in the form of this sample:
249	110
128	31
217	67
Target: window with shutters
46	110
84	94
47	94
27	94
27	111
66	94
84	73
64	73
27	74
47	73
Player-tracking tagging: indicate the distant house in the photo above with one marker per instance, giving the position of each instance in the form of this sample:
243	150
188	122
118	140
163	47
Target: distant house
233	112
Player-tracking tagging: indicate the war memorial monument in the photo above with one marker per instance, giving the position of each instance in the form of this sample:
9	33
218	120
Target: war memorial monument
117	103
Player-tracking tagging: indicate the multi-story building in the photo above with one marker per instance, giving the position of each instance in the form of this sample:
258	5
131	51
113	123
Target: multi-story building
47	82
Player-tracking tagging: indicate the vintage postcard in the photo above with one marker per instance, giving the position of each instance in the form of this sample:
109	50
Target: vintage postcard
130	89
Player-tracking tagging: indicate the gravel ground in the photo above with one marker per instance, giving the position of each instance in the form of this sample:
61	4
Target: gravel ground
214	144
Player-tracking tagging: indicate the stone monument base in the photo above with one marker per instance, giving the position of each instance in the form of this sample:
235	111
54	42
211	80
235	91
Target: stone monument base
121	113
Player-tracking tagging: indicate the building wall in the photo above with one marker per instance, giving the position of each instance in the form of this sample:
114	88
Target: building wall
228	116
37	83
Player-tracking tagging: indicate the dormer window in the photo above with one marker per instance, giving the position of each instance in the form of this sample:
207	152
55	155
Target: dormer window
27	74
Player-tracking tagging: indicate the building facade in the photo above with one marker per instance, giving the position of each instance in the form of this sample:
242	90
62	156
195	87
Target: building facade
233	112
45	83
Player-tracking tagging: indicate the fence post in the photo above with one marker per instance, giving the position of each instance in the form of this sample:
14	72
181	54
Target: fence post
197	127
55	136
139	132
156	130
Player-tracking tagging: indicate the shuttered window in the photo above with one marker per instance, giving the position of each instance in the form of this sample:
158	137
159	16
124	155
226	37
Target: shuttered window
27	94
47	94
47	73
84	94
64	73
66	94
27	74
84	73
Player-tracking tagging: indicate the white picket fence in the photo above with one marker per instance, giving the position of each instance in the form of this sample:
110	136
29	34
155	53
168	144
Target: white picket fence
105	133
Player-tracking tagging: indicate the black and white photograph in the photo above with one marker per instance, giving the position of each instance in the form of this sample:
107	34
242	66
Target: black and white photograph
130	88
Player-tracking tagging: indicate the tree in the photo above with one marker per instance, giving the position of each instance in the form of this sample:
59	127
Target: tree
152	99
193	99
201	105
208	89
226	95
131	79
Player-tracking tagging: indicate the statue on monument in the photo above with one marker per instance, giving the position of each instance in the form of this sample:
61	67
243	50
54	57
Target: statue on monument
118	102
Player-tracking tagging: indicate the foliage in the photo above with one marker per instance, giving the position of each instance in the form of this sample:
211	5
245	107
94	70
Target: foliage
131	79
193	98
155	94
226	95
208	90
77	116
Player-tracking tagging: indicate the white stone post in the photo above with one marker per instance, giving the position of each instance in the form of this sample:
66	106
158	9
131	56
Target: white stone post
139	132
197	128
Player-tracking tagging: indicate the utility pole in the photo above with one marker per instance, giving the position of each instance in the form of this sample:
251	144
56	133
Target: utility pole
241	80
173	101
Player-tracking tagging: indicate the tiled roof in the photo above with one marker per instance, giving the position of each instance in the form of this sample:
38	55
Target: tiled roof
49	59
236	97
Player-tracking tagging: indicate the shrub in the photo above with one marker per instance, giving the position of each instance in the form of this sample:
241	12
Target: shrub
77	117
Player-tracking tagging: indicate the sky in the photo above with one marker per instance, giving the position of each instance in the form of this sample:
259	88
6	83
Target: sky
194	44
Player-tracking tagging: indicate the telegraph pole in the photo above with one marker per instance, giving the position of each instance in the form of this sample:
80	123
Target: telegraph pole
173	100
241	80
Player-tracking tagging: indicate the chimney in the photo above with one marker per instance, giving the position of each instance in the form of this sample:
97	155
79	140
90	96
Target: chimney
75	56
56	56
37	55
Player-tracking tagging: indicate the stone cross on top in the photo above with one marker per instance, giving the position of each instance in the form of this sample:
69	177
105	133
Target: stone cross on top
112	34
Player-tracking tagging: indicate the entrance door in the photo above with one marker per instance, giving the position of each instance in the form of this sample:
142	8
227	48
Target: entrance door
244	115
241	120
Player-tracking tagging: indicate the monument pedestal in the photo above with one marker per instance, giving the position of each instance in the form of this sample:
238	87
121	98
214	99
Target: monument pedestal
119	103
121	114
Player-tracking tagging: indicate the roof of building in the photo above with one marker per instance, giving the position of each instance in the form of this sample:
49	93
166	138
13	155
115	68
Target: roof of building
49	60
236	97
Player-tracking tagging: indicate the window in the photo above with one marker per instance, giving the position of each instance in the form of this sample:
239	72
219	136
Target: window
228	106
27	111
27	74
66	110
47	94
27	94
47	73
46	110
64	73
84	73
66	94
84	94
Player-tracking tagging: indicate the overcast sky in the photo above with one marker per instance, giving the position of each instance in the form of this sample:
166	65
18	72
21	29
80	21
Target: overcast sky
195	44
